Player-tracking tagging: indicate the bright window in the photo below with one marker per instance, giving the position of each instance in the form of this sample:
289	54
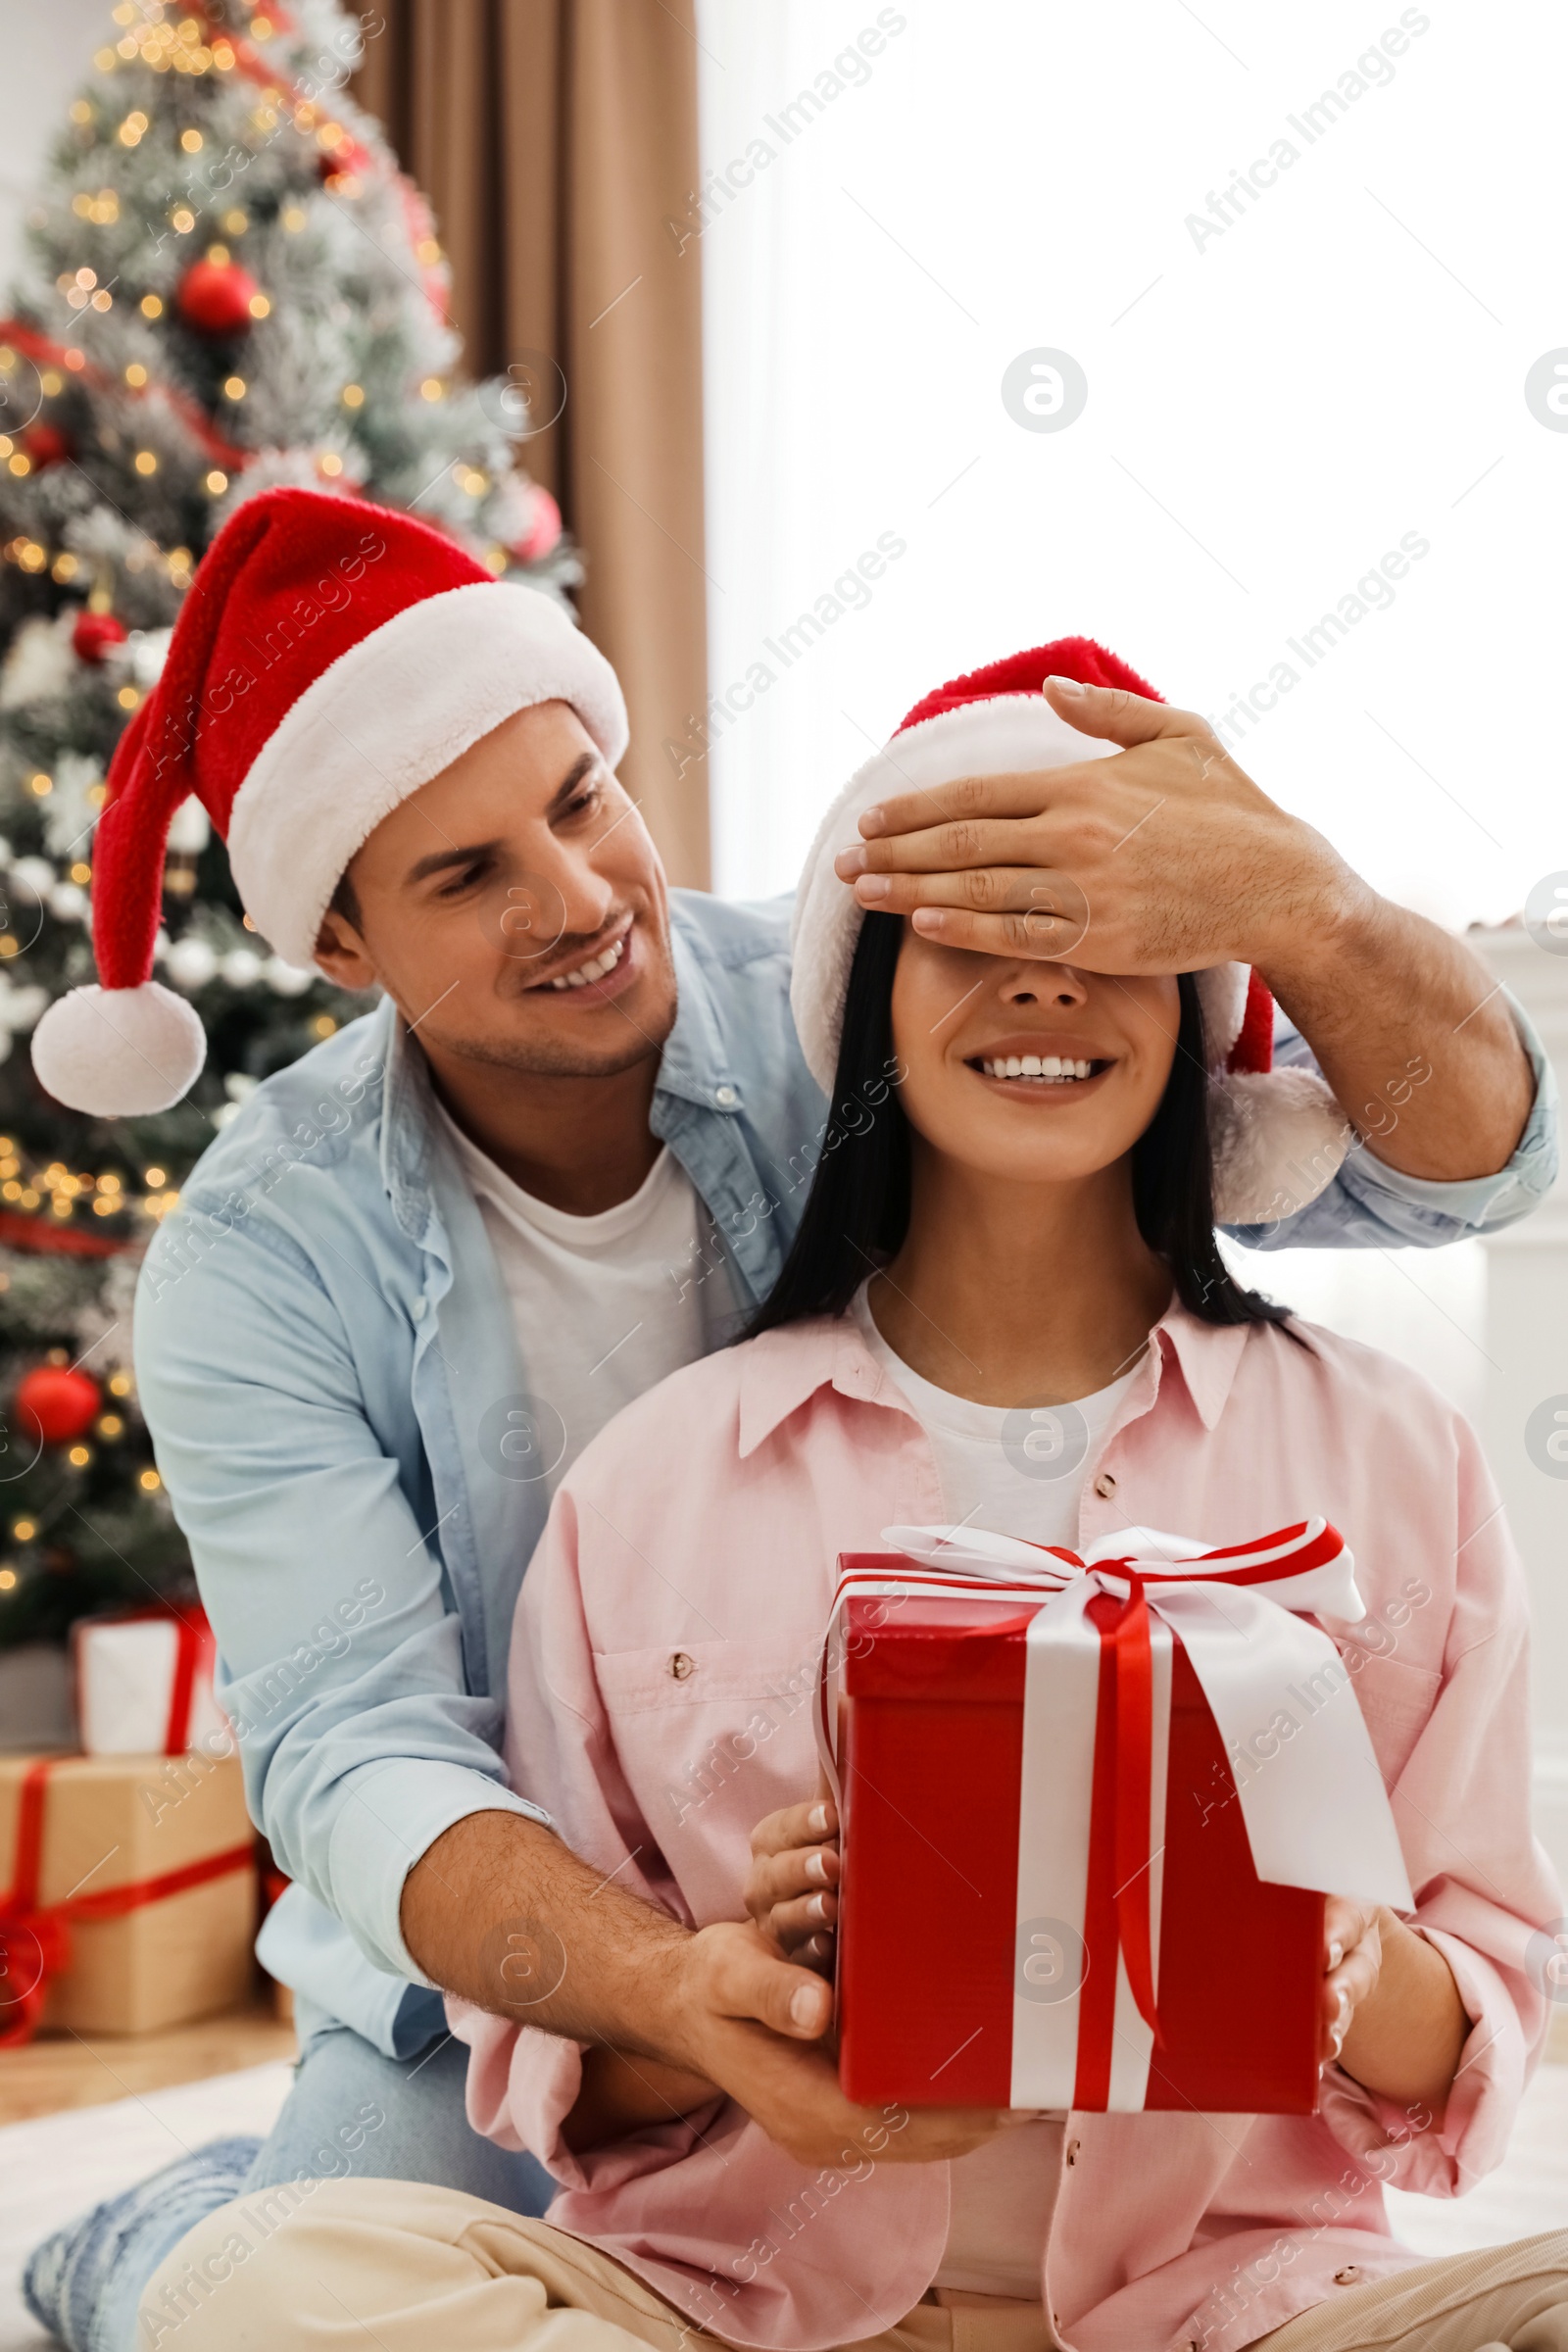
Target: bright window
1289	381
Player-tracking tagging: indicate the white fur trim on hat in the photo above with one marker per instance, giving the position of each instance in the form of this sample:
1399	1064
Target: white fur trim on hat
1277	1141
1222	996
119	1053
385	718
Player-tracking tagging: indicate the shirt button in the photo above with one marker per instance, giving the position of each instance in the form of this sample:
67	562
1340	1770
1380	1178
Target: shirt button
726	1097
682	1664
1348	2275
1106	1485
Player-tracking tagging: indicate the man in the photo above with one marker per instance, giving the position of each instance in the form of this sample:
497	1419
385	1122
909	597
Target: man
562	1156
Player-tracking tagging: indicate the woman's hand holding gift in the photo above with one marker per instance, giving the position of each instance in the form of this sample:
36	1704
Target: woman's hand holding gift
791	1891
1391	2010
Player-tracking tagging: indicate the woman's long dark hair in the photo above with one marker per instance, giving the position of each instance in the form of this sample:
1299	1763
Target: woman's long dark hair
858	1211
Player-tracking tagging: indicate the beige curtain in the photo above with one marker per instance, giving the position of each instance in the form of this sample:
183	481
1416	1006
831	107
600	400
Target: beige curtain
553	139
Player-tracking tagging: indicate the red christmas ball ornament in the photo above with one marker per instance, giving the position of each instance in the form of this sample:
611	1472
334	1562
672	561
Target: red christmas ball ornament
47	445
56	1405
542	531
215	298
95	634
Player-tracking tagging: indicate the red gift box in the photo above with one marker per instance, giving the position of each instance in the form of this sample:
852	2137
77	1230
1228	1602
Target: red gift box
1054	1887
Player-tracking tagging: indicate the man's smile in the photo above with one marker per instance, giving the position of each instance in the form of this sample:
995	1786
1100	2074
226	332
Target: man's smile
611	965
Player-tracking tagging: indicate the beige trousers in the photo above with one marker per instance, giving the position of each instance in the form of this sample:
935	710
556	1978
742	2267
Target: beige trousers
1510	2298
405	2268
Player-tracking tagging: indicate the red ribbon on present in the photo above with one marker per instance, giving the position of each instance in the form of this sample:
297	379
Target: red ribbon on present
25	1921
1126	1758
195	1647
1124	1753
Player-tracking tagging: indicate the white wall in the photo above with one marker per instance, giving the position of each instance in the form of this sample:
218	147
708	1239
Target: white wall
48	51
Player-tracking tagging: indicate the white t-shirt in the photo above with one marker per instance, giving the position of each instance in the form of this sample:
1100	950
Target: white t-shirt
1016	1473
604	1306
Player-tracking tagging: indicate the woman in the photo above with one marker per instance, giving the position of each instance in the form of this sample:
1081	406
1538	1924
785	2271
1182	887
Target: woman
1015	1220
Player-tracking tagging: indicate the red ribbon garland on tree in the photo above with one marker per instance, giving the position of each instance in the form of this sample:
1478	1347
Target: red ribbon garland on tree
249	61
43	350
19	1231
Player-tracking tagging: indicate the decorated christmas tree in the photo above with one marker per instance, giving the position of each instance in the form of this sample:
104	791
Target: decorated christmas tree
231	285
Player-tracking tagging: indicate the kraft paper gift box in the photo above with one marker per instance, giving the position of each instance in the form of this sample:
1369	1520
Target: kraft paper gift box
127	1891
144	1683
1057	1893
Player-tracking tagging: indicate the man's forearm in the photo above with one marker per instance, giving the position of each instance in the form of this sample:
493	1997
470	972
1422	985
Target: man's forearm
1411	1032
502	1913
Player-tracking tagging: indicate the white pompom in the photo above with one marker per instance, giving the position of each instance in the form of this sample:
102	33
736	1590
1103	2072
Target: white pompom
1276	1139
119	1053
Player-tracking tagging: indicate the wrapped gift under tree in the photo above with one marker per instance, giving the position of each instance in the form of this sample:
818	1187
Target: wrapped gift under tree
127	1873
143	1681
1091	1809
128	1892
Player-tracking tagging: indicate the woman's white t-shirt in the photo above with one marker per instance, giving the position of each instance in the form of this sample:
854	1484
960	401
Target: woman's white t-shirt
1017	1473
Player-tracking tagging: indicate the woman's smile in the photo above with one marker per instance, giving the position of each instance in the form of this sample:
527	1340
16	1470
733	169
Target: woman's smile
1039	1065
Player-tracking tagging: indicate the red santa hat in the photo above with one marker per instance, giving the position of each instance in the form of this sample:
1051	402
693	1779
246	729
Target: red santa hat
1277	1136
330	658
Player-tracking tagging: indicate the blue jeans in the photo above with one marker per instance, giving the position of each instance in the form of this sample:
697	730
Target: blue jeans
352	2111
391	2118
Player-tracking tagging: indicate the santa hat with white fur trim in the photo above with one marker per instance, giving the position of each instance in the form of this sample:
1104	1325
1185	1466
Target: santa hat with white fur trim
1277	1136
330	658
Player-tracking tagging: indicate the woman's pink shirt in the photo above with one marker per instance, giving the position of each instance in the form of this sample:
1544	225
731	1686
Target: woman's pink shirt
662	1667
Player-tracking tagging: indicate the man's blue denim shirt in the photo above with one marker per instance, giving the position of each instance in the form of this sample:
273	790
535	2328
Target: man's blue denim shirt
328	1362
